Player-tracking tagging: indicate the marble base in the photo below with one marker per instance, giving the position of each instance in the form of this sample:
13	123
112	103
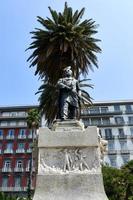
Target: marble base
69	165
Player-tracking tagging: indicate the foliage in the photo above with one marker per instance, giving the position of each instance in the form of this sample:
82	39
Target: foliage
50	95
127	171
4	196
118	183
33	118
113	183
64	40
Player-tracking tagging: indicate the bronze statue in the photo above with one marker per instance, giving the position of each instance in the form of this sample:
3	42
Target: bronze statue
69	95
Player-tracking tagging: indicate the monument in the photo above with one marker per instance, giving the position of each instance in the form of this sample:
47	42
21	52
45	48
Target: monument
69	156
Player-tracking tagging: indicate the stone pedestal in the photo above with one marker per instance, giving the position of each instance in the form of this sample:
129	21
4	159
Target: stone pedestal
69	164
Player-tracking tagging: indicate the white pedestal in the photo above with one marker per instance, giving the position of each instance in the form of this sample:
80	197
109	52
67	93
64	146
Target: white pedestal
69	164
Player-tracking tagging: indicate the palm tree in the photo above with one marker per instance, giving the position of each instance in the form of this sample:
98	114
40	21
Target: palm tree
50	95
33	122
64	40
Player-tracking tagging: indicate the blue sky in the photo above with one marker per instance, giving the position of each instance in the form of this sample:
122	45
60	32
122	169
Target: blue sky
114	78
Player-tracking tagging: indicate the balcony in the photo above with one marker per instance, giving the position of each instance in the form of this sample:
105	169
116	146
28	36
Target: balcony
124	151
18	169
122	136
10	137
13	189
20	151
30	136
21	136
129	111
8	151
130	123
29	150
6	169
112	152
110	137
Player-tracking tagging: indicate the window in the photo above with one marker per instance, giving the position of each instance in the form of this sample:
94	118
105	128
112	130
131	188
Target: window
13	114
22	113
119	120
7	164
9	145
117	108
1	133
22	123
113	161
95	121
11	132
106	121
3	123
94	110
5	181
123	145
111	145
13	123
85	111
104	109
18	181
86	123
22	133
121	133
108	133
128	108
125	158
130	120
20	145
5	114
19	164
131	130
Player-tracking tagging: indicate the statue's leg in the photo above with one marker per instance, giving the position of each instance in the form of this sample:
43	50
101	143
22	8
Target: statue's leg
64	110
72	112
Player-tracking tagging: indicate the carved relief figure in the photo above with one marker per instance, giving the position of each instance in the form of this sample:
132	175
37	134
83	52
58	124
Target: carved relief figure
80	158
68	161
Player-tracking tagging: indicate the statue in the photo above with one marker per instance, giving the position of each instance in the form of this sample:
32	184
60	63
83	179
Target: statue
69	95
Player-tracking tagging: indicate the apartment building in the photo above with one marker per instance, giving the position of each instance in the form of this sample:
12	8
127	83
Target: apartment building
15	149
115	122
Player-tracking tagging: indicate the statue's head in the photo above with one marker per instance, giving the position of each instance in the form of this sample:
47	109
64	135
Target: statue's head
68	71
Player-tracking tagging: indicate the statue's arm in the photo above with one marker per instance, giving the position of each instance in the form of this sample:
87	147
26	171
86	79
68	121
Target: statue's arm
61	85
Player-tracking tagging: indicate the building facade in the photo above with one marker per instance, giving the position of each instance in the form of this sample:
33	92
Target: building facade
115	122
15	149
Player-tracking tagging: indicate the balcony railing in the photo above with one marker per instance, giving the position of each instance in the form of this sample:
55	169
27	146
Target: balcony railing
10	137
128	111
13	189
20	151
30	136
6	169
122	136
8	151
29	150
112	152
124	151
21	136
110	137
18	169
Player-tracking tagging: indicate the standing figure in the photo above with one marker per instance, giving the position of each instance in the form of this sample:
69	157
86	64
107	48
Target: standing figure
69	95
